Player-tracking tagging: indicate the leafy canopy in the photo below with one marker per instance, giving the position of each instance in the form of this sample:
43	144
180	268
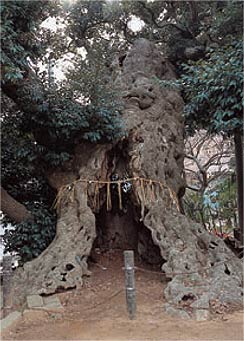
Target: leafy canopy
213	90
42	129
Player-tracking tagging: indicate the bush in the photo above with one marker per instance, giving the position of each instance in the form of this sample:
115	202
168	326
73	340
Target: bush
30	238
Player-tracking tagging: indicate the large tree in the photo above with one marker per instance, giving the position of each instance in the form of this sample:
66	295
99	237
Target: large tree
77	142
50	121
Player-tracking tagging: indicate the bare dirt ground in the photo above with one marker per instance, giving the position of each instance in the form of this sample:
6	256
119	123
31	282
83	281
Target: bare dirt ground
98	312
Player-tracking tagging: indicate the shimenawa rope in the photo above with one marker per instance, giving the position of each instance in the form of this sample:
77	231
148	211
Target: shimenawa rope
147	191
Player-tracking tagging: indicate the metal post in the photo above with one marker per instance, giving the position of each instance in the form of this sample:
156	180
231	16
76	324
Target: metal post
130	283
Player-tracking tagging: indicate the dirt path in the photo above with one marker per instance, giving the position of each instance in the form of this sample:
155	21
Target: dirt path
98	312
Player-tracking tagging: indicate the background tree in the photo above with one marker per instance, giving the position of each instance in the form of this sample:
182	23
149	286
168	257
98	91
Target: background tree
212	86
213	91
211	185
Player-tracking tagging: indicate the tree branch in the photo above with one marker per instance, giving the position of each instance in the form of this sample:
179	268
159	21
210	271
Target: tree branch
164	24
13	209
193	188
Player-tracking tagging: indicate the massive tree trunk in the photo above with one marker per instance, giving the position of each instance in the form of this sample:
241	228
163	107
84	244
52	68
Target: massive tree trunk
204	273
12	208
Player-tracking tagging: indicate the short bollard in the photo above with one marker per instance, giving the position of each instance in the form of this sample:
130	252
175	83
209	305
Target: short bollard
130	283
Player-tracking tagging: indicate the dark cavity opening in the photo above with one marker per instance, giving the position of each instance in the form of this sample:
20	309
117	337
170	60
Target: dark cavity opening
212	245
120	228
187	297
69	267
227	271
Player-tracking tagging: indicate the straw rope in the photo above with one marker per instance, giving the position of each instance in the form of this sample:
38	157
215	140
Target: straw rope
147	191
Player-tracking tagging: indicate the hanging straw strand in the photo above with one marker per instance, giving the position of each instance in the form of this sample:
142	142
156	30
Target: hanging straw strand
174	198
96	196
143	191
120	196
109	203
147	191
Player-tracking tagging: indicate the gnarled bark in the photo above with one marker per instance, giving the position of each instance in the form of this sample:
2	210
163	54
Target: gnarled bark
204	273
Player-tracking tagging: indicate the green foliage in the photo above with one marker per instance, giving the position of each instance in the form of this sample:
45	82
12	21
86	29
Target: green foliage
21	167
20	20
23	178
89	81
213	91
227	21
66	123
226	196
56	118
31	237
216	208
